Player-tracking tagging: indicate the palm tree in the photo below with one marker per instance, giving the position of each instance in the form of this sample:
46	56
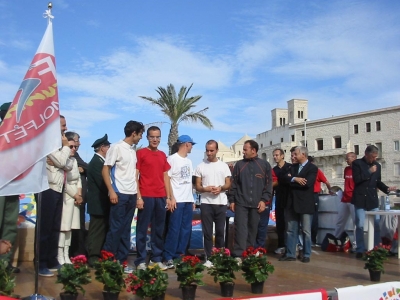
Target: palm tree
177	109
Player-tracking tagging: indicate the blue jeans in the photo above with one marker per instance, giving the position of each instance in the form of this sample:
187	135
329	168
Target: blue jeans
262	229
118	240
360	219
179	229
293	220
154	212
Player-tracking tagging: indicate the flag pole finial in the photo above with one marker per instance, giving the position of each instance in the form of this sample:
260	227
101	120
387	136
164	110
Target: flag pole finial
47	14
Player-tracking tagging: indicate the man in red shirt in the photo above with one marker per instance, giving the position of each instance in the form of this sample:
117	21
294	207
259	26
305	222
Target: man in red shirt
317	190
154	195
346	209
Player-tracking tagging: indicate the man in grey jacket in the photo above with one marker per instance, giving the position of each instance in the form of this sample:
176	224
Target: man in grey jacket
251	194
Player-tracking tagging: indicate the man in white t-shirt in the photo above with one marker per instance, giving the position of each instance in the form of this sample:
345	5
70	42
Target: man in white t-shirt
212	180
119	174
181	204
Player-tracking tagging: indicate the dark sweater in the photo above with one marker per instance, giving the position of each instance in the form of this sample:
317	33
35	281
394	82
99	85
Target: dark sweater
252	183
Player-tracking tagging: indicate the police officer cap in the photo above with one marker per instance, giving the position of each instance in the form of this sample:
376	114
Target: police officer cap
101	141
5	106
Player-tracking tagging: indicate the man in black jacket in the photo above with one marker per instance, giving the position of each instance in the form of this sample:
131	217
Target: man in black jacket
251	194
98	203
367	178
300	206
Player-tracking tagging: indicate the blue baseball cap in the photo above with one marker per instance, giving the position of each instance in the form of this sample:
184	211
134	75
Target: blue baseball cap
185	139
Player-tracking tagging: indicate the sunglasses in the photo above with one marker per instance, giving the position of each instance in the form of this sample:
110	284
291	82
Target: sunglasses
71	146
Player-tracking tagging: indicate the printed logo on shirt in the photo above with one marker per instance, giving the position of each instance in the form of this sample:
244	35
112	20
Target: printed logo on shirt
185	172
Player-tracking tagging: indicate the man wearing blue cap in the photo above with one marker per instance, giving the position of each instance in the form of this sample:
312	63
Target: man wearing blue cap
98	204
181	204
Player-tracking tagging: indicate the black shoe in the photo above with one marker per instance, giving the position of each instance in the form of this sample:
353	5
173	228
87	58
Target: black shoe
305	260
359	255
13	269
287	258
300	256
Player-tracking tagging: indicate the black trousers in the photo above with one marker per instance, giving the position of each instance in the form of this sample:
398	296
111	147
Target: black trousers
98	229
314	224
50	223
213	213
246	225
280	222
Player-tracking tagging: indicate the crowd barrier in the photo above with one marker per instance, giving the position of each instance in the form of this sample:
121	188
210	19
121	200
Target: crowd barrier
318	294
380	291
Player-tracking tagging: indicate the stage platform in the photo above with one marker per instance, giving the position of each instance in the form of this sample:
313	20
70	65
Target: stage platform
326	271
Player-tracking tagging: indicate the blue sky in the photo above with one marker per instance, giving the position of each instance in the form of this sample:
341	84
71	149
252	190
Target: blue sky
244	57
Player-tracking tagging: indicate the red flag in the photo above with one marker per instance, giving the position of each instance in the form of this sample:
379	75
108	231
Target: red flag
31	128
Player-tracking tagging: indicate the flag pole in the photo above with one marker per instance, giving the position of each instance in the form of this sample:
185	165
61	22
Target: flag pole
36	295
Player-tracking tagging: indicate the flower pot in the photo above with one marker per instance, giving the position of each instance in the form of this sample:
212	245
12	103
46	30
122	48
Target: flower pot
68	296
227	289
257	287
110	295
375	275
189	292
159	297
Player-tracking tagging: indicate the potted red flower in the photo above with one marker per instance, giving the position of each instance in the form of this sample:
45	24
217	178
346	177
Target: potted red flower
256	268
190	273
374	260
223	269
73	277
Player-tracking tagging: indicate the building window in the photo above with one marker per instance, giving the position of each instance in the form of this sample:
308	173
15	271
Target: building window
293	139
270	143
396	146
264	156
356	129
378	125
261	145
397	169
320	144
379	146
302	133
368	127
281	140
338	142
357	149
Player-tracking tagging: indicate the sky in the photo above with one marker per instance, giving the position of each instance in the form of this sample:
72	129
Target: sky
244	58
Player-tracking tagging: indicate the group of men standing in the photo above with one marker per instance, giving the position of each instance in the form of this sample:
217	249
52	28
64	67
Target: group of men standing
121	179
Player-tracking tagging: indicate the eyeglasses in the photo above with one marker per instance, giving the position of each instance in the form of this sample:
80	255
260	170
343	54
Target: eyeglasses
71	146
154	137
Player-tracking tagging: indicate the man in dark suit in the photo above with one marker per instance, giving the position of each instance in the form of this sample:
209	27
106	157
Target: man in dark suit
300	206
367	179
98	204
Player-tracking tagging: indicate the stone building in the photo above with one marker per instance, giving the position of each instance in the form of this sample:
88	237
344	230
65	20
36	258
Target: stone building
329	139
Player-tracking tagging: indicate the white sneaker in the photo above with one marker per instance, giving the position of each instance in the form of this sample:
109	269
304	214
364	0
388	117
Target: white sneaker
208	264
239	261
141	266
128	270
280	250
169	264
159	264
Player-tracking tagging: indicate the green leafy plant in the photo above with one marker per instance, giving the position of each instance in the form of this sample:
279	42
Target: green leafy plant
224	265
7	279
150	282
255	265
189	270
74	276
110	272
374	258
